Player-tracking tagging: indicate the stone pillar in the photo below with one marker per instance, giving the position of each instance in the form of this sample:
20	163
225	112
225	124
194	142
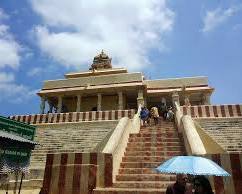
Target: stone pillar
50	106
99	102
42	105
78	103
120	101
175	98
59	107
205	99
145	101
186	100
140	99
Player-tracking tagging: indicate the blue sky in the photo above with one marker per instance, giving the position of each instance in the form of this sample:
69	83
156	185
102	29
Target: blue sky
44	39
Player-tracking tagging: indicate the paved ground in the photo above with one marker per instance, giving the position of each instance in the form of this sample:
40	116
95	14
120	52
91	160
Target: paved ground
35	191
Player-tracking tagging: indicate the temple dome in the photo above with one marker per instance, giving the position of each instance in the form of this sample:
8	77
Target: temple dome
102	55
101	61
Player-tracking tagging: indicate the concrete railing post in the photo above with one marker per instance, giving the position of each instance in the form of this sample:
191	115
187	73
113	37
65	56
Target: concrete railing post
191	135
178	116
118	141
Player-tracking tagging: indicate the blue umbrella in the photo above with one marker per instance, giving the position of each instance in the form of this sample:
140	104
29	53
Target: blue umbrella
193	165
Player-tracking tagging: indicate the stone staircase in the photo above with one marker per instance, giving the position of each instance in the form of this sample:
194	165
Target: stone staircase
227	132
145	151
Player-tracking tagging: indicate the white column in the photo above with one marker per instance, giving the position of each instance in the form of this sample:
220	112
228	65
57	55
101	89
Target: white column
206	99
99	102
140	99
186	100
78	103
175	98
120	101
59	107
42	105
145	101
50	106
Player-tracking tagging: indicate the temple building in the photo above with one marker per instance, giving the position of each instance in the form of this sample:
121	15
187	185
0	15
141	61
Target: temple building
106	88
91	139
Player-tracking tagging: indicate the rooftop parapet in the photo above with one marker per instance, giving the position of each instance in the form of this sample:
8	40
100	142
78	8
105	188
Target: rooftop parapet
177	82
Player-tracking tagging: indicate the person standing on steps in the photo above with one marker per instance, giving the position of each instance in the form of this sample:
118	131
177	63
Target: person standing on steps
163	110
145	116
154	114
170	114
181	186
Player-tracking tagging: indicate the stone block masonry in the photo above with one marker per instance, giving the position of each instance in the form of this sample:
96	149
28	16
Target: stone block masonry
234	110
77	172
74	116
232	163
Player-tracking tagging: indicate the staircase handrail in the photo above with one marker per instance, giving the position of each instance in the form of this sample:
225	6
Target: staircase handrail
118	141
186	126
178	116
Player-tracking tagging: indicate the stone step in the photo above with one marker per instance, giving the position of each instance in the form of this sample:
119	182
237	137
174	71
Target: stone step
137	171
154	153
165	125
140	164
156	134
154	142
152	139
145	145
156	147
144	158
129	191
142	184
145	177
168	129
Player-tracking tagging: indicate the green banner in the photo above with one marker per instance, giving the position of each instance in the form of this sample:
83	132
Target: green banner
17	128
15	154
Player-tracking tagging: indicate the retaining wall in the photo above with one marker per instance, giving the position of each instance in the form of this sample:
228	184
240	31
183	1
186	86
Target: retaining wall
74	116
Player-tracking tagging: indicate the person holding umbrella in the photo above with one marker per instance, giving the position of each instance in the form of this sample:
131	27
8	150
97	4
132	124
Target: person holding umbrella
202	185
181	185
192	165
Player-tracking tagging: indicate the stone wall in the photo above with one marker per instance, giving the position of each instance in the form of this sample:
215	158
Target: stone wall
234	110
74	116
82	172
177	82
227	132
94	80
77	172
68	137
232	163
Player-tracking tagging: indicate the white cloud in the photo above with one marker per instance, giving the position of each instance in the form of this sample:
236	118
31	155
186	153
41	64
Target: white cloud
11	92
9	48
217	17
6	77
126	30
3	15
10	57
35	71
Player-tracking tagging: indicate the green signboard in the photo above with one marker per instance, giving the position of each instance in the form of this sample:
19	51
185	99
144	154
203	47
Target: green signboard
17	128
15	155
